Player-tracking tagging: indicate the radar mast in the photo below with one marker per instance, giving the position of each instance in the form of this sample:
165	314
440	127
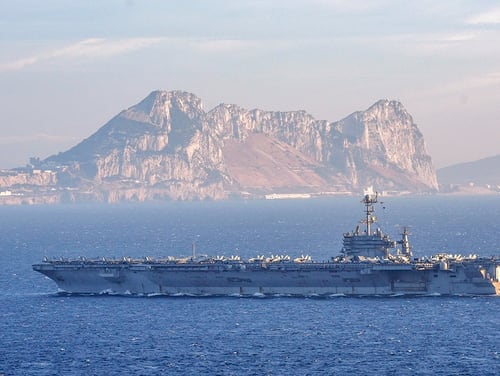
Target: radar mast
369	199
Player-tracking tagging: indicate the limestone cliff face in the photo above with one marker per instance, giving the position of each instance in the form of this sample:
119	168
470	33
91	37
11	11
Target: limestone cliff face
168	146
296	128
37	178
381	146
162	141
384	147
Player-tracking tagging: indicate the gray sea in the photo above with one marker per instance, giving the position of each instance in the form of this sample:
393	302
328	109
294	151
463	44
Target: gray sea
44	333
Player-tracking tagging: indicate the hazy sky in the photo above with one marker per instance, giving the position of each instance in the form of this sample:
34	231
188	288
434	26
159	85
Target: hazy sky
67	67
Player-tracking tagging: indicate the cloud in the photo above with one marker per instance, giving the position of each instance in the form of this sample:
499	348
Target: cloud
470	45
349	6
461	37
100	48
463	85
224	45
88	48
491	17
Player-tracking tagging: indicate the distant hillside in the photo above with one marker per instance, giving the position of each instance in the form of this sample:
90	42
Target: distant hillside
482	172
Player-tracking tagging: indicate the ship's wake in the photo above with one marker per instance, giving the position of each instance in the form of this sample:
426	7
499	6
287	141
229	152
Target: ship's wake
128	294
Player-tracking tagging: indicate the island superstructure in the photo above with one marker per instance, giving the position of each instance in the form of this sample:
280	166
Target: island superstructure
370	264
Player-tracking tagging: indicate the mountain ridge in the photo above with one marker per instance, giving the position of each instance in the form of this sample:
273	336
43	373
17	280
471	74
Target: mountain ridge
167	147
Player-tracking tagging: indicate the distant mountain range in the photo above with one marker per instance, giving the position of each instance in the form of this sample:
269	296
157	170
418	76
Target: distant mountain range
168	147
482	172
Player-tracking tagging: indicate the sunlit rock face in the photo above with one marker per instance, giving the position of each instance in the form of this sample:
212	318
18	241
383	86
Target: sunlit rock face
167	146
382	146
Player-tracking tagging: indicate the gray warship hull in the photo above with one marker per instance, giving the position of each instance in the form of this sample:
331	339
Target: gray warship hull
255	279
367	266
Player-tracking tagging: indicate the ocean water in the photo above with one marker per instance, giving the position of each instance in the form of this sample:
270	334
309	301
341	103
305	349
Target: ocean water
43	333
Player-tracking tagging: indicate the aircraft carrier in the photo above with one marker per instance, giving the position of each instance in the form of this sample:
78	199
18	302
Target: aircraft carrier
370	264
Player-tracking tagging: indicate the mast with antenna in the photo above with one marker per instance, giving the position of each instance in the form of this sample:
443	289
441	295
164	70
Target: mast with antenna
369	199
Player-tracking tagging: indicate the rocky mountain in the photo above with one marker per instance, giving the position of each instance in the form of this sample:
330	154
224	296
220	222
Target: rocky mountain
167	146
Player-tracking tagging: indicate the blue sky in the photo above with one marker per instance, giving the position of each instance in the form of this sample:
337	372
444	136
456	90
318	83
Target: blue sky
67	67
